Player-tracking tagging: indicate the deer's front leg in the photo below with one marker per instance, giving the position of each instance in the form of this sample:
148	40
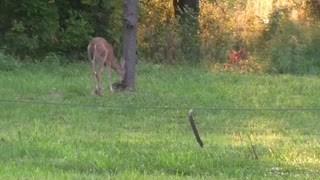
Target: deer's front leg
98	77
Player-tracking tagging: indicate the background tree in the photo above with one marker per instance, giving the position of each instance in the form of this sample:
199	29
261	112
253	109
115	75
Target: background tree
180	6
187	12
314	8
130	8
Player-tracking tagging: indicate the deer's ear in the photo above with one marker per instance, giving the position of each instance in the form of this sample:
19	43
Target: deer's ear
122	62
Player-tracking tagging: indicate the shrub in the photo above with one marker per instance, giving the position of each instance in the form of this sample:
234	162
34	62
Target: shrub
8	62
291	47
76	34
164	38
32	27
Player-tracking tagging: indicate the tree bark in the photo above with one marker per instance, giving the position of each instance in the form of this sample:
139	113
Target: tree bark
315	4
130	8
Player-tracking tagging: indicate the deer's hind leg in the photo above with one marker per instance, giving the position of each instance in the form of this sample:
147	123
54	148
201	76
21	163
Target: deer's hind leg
92	61
93	77
109	71
98	75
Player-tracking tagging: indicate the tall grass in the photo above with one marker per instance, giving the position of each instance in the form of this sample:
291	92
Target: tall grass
52	128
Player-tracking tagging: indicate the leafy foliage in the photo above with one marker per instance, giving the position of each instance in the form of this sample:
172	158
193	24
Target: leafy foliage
35	28
280	36
291	45
76	34
32	26
8	63
172	40
158	42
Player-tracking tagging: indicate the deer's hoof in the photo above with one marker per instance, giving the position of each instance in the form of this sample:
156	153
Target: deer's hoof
98	92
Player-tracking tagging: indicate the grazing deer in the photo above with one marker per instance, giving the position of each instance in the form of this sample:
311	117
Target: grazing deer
101	52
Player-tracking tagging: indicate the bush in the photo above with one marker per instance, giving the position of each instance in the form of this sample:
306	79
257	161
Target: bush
35	28
31	28
8	63
292	48
76	34
171	40
158	42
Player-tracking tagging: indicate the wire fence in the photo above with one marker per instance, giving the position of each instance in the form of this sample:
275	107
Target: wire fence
139	106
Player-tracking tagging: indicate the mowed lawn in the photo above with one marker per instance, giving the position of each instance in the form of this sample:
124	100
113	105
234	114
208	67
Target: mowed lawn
253	126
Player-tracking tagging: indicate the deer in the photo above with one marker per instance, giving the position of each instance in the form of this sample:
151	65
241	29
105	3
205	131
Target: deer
101	54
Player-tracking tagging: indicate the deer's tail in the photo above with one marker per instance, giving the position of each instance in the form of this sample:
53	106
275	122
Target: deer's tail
92	51
92	59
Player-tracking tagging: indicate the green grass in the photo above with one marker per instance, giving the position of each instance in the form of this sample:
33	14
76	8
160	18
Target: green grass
52	128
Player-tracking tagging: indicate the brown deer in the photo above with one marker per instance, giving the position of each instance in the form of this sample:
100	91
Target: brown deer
101	52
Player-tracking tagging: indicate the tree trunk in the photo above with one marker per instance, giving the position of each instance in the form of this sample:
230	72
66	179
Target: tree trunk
187	12
129	41
315	8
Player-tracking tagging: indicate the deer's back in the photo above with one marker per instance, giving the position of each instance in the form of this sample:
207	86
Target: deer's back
101	47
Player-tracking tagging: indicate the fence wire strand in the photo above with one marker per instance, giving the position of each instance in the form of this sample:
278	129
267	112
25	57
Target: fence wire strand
132	106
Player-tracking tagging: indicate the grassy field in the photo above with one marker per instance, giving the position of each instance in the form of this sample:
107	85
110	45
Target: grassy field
252	125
